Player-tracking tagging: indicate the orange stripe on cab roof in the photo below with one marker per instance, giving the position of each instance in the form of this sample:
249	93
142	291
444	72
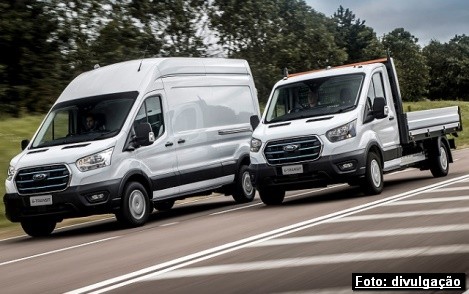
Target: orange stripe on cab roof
380	60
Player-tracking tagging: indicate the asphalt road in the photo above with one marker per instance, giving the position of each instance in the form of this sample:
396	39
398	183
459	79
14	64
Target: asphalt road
311	244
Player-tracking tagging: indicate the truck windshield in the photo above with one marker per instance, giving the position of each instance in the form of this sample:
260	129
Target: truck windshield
315	97
85	119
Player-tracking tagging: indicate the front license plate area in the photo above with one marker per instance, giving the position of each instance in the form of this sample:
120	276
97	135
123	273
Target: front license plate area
40	200
292	169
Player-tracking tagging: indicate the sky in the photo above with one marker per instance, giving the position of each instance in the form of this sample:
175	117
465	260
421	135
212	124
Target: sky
427	20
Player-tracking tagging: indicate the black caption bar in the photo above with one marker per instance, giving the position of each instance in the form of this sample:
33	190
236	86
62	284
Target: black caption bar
408	281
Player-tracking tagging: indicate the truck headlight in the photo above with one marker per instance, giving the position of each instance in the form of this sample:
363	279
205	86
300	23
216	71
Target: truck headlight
11	173
343	132
255	145
94	161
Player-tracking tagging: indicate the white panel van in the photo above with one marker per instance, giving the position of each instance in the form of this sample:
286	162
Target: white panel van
133	136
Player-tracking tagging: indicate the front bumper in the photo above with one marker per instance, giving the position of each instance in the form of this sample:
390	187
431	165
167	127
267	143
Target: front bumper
73	202
318	173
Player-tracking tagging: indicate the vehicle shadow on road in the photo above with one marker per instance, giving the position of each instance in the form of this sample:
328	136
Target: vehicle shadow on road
112	225
346	192
349	192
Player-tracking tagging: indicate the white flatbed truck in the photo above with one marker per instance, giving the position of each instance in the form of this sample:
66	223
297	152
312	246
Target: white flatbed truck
356	132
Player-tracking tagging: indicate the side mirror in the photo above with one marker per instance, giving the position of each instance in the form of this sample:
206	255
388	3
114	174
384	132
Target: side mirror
24	144
380	110
144	135
254	120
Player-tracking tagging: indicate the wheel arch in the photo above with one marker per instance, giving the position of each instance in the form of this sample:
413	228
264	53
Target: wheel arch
243	160
373	146
136	176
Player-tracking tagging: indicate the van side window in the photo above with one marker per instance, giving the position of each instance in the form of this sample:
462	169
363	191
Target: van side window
151	112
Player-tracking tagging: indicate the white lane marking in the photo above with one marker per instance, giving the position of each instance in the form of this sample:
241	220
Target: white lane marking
401	214
234	209
127	279
313	260
62	228
450	189
169	224
429	200
56	251
364	234
287	197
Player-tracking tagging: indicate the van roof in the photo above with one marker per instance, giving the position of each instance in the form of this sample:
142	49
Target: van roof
135	75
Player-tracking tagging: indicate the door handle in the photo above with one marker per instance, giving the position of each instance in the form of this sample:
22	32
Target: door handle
391	117
180	141
168	144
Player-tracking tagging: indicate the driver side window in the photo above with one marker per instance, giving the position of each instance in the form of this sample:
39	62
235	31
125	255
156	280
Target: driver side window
376	89
151	112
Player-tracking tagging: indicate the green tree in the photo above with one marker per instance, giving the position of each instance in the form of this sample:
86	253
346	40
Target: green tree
121	39
358	40
30	58
449	68
272	35
410	63
175	23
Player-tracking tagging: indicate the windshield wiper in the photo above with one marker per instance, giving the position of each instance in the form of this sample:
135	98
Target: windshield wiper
345	109
107	134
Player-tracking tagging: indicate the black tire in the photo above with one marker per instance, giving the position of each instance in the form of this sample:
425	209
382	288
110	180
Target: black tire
271	196
243	191
135	208
373	183
38	227
439	164
164	205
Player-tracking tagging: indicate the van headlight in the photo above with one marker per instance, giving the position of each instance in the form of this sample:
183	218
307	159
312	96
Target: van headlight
94	161
343	132
11	173
255	145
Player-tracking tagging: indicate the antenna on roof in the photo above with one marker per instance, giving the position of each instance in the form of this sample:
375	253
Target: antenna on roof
144	52
96	66
285	73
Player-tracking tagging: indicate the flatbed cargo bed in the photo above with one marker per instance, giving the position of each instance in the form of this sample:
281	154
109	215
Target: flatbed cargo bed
424	124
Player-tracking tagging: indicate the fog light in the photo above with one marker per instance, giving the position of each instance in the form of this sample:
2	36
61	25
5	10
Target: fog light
347	166
96	197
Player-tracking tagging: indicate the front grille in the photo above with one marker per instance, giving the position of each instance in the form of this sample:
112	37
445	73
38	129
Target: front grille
292	150
42	179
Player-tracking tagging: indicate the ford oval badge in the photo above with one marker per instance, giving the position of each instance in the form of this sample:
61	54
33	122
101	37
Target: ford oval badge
39	177
290	148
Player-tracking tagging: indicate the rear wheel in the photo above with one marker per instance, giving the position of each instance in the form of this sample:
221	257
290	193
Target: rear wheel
439	164
372	184
271	196
243	191
135	209
38	227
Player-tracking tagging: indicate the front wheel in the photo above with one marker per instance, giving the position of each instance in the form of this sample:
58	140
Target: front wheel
439	164
244	191
135	209
271	196
38	227
372	184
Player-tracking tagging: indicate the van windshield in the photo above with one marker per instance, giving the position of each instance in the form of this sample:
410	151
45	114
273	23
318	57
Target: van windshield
315	97
85	119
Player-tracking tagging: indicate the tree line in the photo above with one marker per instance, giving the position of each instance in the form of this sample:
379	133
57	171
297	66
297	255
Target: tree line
46	43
